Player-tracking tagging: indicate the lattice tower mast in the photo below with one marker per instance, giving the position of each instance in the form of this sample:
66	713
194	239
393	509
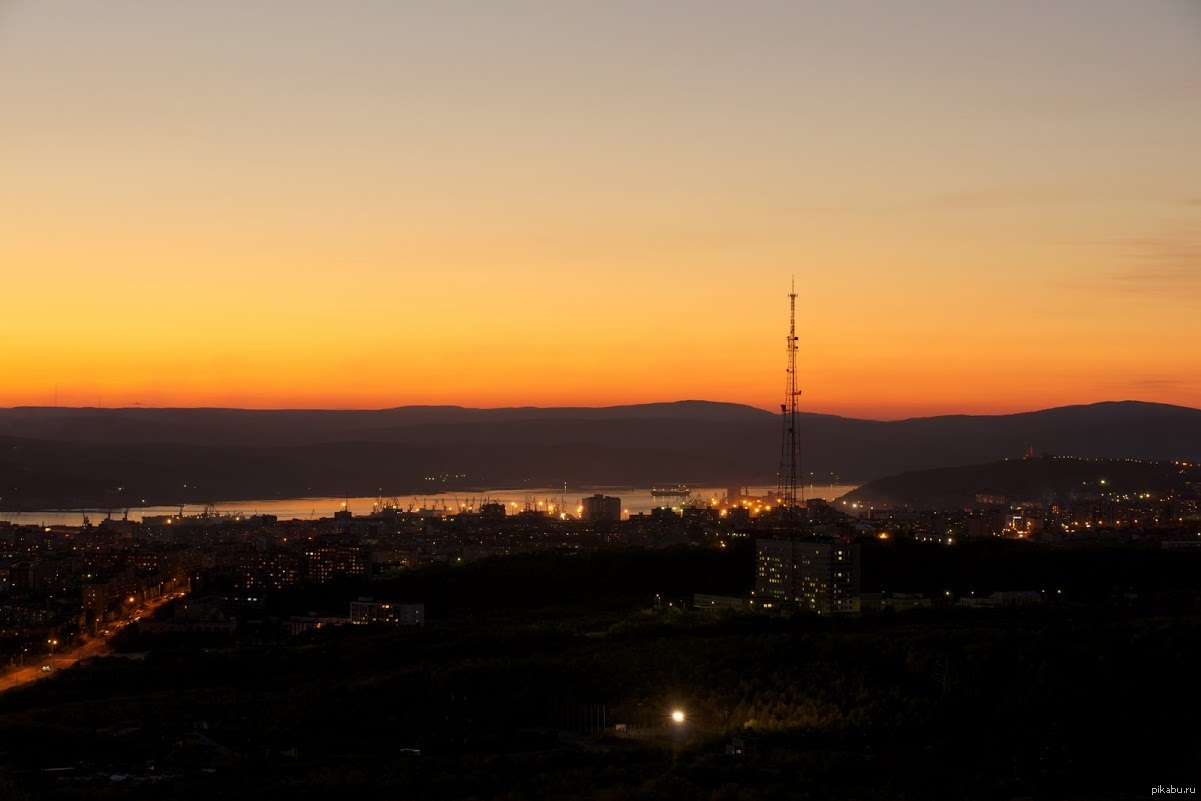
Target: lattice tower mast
790	461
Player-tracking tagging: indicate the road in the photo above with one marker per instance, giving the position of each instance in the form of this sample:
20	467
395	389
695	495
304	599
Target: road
32	671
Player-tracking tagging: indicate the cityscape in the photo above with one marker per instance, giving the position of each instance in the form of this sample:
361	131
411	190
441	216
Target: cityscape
588	402
1104	547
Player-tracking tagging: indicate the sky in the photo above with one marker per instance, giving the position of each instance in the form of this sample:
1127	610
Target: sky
987	207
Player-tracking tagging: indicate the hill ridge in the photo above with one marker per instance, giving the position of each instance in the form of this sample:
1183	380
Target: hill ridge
73	456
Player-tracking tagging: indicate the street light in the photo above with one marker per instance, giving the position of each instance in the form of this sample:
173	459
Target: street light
680	733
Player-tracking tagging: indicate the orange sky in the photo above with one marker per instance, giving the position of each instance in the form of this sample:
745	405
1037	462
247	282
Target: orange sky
987	207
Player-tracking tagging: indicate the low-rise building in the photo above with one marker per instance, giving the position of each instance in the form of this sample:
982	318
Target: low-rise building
366	611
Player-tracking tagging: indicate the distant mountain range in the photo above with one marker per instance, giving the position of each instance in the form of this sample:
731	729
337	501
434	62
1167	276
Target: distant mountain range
68	458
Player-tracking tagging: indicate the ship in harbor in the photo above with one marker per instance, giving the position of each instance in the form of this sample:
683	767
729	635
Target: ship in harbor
671	491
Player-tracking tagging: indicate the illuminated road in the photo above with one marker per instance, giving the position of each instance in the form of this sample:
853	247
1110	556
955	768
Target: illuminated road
32	671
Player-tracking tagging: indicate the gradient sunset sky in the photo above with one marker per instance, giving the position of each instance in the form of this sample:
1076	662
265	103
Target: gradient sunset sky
988	206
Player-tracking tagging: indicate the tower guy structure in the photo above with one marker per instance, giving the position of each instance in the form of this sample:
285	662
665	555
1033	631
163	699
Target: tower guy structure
798	570
790	458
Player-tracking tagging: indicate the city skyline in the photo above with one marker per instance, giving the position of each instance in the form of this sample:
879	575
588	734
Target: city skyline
987	209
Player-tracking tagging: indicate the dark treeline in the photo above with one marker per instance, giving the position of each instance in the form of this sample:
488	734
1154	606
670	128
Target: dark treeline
531	586
1089	573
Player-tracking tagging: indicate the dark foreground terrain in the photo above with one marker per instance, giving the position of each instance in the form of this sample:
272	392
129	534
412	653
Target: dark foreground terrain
568	696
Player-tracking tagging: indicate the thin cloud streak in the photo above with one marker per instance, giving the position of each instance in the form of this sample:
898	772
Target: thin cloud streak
1167	266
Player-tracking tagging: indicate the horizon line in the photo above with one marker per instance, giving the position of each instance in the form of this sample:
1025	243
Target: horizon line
815	413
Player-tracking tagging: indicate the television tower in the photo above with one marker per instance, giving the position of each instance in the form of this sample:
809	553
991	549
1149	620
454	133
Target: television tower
790	467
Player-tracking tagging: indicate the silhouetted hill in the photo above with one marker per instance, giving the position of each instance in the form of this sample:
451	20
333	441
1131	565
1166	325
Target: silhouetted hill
307	426
1050	480
74	457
